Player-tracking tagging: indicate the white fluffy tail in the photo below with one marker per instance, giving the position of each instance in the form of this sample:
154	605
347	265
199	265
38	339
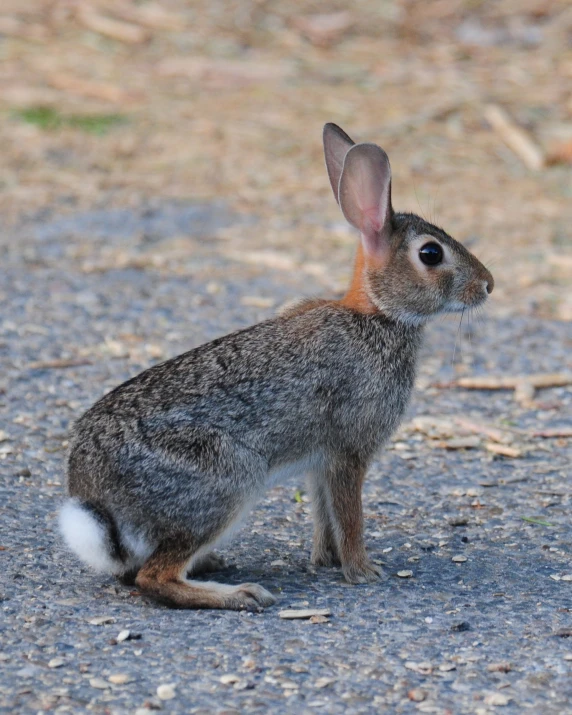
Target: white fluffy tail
91	535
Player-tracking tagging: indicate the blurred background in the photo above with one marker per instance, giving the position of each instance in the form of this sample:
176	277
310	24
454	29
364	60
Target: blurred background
117	106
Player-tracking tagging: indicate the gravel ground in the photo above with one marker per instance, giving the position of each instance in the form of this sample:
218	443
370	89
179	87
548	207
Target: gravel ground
487	632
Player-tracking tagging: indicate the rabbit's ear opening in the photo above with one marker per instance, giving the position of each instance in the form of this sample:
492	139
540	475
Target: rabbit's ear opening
365	196
336	145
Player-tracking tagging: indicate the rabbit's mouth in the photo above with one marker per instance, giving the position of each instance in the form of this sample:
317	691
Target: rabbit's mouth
472	297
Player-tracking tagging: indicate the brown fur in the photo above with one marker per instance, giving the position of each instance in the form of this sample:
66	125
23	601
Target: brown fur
356	297
302	306
162	578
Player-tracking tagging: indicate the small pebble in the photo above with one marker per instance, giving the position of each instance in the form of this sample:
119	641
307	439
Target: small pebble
120	678
417	695
405	574
324	682
459	521
243	685
166	691
568	656
566	577
460	559
123	636
497	699
56	663
289	685
101	620
446	667
461	627
423	668
499	667
99	683
319	619
257	301
229	679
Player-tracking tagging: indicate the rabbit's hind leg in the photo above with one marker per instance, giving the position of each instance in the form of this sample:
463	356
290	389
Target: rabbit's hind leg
162	577
206	564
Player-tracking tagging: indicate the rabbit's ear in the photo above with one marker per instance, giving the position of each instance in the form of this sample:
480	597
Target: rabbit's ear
336	145
365	196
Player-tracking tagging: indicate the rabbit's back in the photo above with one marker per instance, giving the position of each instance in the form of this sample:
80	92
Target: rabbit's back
323	377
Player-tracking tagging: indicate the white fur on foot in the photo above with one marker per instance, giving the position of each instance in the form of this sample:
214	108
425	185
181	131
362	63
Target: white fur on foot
87	538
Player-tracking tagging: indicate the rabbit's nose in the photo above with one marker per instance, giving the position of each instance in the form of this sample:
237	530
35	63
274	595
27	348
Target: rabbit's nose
489	282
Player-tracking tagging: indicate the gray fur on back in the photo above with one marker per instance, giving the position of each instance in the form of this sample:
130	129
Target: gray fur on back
188	442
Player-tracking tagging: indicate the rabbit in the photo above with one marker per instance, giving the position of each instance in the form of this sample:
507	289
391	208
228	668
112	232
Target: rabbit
164	466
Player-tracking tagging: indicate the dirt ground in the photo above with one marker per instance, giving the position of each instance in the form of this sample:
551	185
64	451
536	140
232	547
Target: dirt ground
161	184
113	103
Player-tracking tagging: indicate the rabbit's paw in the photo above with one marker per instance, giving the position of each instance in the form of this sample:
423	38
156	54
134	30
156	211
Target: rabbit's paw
324	557
365	572
250	597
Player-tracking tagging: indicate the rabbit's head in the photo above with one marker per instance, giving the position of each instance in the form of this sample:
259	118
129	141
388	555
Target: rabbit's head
406	268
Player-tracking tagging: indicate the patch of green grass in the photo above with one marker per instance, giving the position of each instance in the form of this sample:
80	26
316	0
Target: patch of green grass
508	423
298	494
51	119
532	520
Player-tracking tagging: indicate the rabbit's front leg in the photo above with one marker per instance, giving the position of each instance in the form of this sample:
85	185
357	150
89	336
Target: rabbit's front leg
343	481
324	548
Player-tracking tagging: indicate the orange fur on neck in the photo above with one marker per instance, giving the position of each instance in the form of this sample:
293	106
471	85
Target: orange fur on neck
356	297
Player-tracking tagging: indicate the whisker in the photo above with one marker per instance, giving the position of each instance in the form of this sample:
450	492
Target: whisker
459	337
492	261
468	330
481	315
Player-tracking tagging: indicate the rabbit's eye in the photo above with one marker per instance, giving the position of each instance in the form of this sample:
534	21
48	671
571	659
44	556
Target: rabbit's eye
431	254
